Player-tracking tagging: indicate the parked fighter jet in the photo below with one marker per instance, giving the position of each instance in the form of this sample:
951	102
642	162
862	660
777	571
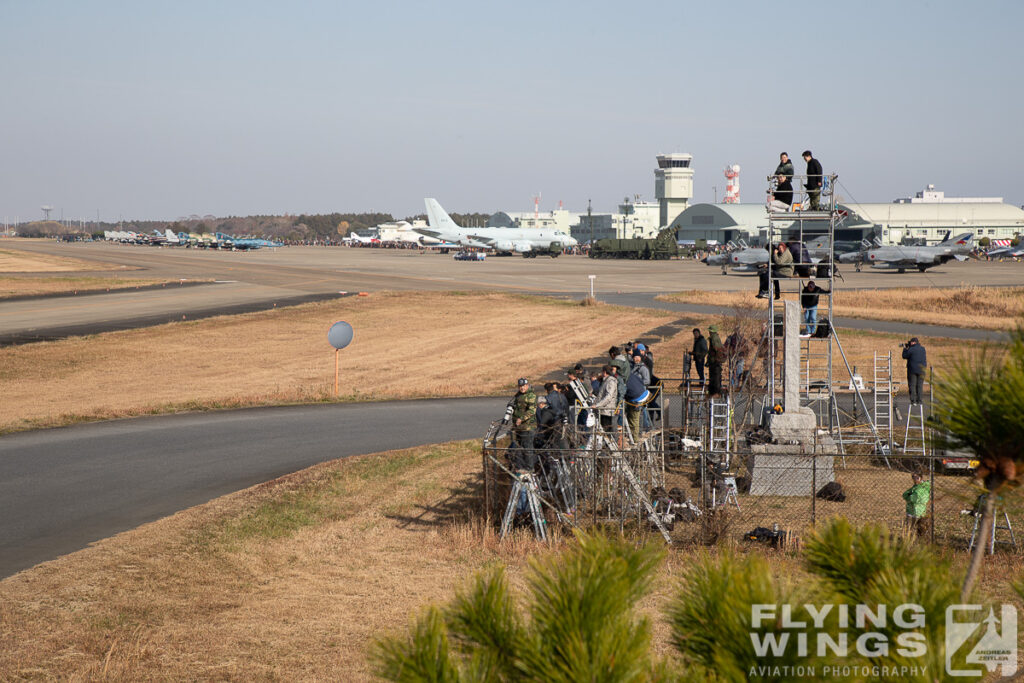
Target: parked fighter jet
742	258
1006	252
900	258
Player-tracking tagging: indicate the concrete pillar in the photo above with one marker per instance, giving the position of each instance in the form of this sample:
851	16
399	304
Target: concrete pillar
791	357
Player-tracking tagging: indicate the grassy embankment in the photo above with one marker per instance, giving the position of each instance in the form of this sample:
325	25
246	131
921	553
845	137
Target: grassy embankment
289	579
987	308
407	345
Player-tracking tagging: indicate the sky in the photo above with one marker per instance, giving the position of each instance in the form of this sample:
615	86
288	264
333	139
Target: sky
158	110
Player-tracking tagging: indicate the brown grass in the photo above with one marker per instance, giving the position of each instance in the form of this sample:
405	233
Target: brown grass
406	345
286	580
859	345
26	262
25	286
989	308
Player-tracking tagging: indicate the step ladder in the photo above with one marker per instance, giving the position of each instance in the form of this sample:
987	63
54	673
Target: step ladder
599	440
524	499
881	447
721	424
816	377
915	431
720	428
731	492
1006	526
882	389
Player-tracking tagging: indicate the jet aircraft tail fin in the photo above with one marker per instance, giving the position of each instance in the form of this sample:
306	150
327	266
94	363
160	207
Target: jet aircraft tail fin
438	219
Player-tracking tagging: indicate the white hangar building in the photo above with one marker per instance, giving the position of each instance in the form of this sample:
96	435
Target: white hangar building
927	217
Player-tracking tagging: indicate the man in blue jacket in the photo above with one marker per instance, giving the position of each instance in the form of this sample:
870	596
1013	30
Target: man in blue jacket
917	360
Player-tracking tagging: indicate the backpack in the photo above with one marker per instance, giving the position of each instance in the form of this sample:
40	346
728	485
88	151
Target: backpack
832	491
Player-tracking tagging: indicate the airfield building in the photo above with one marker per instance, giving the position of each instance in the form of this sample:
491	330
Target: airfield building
925	218
929	215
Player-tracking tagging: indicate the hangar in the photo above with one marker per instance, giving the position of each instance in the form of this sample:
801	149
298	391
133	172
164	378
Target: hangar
926	218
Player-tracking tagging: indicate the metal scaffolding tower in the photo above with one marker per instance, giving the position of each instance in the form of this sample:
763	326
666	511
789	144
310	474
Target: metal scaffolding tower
810	237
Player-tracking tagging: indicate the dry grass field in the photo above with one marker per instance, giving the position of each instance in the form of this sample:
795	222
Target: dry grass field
27	286
406	345
26	262
989	308
859	346
291	579
31	279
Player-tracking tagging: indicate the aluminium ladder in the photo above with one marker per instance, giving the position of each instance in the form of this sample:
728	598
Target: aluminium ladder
882	389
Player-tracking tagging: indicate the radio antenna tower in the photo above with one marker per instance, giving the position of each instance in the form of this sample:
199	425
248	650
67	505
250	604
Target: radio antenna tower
732	184
536	209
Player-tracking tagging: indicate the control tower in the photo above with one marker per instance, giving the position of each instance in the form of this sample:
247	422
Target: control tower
673	185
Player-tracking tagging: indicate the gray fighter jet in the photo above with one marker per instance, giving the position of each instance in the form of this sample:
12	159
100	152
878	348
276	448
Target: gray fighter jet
900	258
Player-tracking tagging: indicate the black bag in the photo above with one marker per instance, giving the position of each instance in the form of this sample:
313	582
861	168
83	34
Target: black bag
824	329
832	491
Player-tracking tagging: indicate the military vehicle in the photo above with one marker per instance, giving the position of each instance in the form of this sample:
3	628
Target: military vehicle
661	247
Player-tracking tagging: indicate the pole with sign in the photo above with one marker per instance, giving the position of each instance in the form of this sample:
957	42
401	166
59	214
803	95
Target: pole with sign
339	336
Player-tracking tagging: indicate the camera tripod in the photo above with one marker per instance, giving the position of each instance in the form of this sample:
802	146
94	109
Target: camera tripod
995	526
525	487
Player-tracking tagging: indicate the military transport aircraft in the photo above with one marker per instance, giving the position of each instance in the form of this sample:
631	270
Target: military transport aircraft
526	241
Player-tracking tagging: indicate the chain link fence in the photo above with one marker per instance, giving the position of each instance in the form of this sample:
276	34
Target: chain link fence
696	497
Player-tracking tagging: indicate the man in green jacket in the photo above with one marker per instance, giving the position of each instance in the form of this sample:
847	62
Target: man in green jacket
917	497
524	421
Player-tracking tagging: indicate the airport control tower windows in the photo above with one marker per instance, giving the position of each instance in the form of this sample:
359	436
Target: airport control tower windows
673	163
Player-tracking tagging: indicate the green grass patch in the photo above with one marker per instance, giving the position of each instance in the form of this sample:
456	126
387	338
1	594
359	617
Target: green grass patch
325	498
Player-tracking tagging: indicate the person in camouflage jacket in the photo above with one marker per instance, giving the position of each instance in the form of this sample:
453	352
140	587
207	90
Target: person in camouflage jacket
524	421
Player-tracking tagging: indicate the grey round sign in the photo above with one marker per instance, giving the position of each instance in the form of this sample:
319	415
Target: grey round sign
340	335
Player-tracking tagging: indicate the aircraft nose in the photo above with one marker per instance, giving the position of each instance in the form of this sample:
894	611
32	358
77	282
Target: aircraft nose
704	260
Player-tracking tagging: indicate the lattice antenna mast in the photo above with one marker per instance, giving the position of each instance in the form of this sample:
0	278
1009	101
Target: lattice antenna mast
732	184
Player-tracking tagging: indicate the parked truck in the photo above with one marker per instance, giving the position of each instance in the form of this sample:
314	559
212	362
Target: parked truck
661	247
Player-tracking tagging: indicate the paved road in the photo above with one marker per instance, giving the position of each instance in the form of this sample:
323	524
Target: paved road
61	489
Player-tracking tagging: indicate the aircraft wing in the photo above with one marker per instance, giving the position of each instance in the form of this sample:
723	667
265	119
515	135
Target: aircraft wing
481	238
428	232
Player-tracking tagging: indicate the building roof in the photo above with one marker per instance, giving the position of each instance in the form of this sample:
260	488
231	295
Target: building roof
749	217
968	214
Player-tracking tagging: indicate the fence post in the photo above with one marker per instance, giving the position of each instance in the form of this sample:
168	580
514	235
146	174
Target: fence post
814	488
931	498
487	491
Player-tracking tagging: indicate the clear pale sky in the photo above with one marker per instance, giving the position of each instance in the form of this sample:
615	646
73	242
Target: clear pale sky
155	110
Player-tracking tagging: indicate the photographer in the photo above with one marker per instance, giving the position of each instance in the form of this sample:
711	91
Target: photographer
699	353
782	262
524	425
607	397
917	360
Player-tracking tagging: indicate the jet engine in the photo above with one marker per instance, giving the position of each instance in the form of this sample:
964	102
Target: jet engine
503	245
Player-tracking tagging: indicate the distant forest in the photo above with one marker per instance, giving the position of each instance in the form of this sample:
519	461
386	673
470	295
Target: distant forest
295	228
